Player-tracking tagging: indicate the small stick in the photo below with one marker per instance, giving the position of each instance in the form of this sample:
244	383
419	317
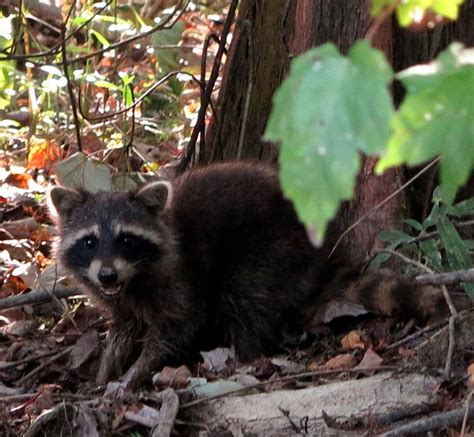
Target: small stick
435	422
45	364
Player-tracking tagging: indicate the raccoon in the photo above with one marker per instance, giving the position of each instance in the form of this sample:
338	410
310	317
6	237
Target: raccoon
217	257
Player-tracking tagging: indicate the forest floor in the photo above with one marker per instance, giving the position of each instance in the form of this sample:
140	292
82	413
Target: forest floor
352	373
363	374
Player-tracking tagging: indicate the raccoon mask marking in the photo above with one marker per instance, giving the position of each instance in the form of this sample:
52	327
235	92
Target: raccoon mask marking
108	238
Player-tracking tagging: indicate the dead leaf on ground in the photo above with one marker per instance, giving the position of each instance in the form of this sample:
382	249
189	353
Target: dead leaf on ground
470	374
44	400
341	361
85	348
371	360
218	359
19	180
287	366
353	340
406	352
172	377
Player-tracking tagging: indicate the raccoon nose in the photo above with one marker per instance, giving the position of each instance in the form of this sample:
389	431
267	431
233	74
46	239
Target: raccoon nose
107	275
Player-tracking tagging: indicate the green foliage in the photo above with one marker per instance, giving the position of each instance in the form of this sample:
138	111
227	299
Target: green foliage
331	107
409	11
436	242
328	110
437	118
168	58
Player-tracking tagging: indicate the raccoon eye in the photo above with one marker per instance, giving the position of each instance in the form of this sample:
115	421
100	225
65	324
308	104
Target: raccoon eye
126	240
89	242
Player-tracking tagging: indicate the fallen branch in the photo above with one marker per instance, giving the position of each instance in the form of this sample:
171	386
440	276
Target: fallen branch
38	369
447	278
436	422
168	411
38	296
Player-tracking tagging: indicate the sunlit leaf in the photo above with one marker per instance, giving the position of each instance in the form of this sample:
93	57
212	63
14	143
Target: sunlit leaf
437	118
78	171
413	11
328	110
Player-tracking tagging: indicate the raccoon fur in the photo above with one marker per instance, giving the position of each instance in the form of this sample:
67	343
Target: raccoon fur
218	257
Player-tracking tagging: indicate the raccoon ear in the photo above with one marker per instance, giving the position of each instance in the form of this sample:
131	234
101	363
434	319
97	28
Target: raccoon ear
156	195
64	200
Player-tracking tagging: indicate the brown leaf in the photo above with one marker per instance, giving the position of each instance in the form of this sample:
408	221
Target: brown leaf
172	377
218	359
19	180
85	348
43	154
371	360
341	361
353	340
406	352
470	373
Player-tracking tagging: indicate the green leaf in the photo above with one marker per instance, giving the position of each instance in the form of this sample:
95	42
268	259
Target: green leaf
413	11
457	252
436	118
127	95
447	8
463	208
395	237
100	38
433	218
168	59
328	110
414	224
433	256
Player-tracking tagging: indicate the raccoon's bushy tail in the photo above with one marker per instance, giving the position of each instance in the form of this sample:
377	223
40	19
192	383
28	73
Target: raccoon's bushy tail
387	292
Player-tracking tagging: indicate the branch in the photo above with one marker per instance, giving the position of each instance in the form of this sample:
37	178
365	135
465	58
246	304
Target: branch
70	88
206	98
436	422
38	296
447	278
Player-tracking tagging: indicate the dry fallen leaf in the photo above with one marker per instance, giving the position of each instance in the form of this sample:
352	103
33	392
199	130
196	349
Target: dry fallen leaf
341	361
406	352
371	360
172	377
470	373
353	340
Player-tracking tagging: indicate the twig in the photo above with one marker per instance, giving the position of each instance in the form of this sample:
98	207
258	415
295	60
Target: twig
137	101
168	411
16	398
415	335
447	278
435	233
38	369
201	118
384	16
70	88
464	422
26	360
166	24
36	297
435	422
383	202
285	379
248	92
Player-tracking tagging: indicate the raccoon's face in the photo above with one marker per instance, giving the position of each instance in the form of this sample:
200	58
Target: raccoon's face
108	239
